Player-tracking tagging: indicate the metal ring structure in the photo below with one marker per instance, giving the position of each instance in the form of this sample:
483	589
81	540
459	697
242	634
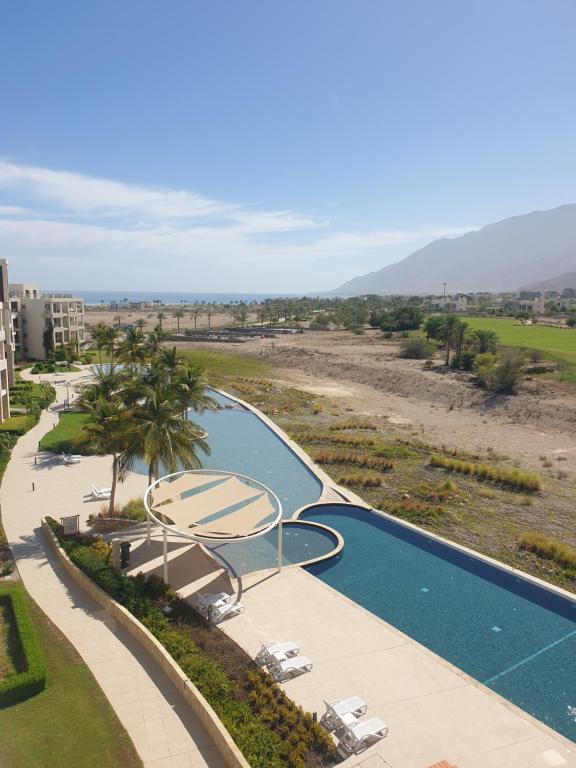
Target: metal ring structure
202	538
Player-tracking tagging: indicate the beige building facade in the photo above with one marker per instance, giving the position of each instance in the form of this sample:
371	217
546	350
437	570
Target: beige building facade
6	344
35	314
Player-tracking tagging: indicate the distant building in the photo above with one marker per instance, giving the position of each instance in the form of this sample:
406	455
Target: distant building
6	344
532	302
450	304
35	313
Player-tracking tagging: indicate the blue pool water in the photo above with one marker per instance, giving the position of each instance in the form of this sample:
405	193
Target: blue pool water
299	543
241	442
518	639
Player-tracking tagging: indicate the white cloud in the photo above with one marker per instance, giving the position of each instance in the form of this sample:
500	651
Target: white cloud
78	231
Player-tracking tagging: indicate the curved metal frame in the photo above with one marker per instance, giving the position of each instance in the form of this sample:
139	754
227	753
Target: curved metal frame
203	538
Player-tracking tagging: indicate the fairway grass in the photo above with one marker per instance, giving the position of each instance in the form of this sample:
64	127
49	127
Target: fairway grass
70	723
557	344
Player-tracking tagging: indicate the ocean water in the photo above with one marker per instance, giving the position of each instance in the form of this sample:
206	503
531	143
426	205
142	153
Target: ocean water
99	297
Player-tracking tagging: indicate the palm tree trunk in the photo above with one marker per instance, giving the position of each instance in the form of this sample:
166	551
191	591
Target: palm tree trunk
447	351
114	481
150	473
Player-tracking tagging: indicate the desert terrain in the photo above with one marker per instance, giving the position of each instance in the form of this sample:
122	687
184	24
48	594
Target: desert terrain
365	375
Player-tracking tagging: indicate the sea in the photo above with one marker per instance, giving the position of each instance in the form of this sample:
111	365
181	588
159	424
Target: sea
171	297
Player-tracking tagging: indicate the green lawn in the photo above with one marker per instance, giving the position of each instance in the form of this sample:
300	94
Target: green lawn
65	434
558	344
22	422
220	366
71	722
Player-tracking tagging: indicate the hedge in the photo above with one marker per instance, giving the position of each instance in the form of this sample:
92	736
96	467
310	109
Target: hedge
269	729
33	679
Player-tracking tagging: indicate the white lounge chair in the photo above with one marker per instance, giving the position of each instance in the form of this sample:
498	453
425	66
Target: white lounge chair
361	735
217	613
70	458
289	668
100	493
272	652
206	600
343	713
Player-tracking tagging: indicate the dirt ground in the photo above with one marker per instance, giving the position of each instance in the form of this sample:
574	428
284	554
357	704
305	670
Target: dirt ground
364	374
169	323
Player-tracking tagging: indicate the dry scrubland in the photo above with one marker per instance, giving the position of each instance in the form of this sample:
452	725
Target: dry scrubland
485	497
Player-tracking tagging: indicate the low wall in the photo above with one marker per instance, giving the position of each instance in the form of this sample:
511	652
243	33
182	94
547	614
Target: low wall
201	708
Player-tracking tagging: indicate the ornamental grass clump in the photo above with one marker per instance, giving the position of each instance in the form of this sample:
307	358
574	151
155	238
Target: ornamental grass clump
515	479
354	424
325	456
362	480
547	548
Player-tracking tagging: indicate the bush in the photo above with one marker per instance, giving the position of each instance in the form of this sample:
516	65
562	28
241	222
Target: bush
362	480
511	478
501	374
417	349
324	456
32	680
547	548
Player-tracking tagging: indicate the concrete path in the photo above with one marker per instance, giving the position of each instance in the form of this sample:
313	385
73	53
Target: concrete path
434	711
164	731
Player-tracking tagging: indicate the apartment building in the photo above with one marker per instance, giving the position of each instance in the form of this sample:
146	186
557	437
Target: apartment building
43	320
6	344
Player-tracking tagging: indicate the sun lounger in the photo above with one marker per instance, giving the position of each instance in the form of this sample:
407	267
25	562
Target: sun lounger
273	652
217	613
205	601
343	713
100	493
285	670
69	458
361	735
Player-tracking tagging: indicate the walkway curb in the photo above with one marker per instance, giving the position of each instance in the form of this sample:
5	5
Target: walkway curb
202	709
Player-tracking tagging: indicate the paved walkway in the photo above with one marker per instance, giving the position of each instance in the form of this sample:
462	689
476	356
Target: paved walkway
435	712
164	731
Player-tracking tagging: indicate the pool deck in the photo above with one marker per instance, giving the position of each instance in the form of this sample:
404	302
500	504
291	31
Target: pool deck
434	711
164	730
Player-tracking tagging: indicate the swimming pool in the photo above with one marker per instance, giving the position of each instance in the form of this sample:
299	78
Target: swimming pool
241	442
517	638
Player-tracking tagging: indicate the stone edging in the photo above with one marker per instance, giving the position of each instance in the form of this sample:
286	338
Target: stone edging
201	708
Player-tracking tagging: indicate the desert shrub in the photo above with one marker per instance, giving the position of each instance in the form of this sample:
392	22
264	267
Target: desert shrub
359	424
415	512
134	510
467	360
317	408
501	373
547	548
324	456
361	480
516	479
394	451
417	349
32	679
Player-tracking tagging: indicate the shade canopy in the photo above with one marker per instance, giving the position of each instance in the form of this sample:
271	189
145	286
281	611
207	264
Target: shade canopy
231	506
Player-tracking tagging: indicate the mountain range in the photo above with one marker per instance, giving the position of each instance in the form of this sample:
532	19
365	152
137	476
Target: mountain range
522	250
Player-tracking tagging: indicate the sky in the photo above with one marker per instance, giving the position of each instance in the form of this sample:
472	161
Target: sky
267	146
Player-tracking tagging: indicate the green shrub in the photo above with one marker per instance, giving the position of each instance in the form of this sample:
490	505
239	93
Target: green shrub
547	548
512	478
417	348
33	679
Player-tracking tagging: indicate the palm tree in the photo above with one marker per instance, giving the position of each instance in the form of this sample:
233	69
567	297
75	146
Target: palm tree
178	314
162	436
460	338
109	431
485	340
190	388
160	316
99	334
110	334
154	342
140	323
446	333
132	350
195	312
